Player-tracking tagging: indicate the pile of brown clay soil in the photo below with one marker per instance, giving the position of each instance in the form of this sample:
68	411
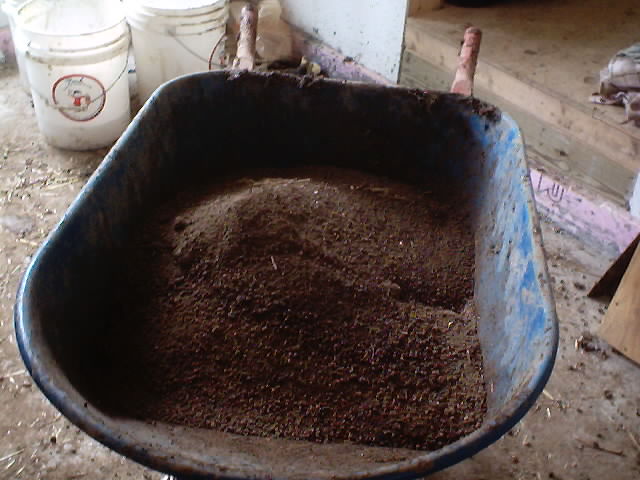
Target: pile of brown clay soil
319	304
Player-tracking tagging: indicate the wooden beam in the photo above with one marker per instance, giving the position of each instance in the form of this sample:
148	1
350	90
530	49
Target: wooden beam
579	120
557	149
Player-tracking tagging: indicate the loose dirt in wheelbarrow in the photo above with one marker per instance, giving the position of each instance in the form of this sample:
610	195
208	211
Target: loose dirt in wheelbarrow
312	304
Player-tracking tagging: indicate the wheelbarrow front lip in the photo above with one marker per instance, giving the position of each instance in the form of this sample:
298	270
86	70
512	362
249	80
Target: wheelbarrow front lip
88	418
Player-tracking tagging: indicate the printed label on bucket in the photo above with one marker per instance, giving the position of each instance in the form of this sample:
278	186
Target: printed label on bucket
79	97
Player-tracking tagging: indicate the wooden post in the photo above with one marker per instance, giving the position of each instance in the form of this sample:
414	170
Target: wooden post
246	55
621	324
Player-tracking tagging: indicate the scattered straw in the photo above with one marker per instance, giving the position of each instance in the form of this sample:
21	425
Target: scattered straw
548	395
634	440
28	242
11	455
53	186
598	447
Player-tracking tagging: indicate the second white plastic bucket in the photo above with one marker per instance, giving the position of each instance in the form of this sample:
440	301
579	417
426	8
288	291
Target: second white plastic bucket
10	7
175	37
76	59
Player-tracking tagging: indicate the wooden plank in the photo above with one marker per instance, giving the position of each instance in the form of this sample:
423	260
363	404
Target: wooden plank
577	211
621	324
416	7
620	144
557	150
610	281
561	45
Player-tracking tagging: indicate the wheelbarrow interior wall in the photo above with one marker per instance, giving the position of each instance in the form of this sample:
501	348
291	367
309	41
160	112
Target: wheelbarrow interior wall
207	125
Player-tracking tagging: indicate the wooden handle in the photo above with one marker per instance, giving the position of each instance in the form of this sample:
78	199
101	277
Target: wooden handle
246	54
463	81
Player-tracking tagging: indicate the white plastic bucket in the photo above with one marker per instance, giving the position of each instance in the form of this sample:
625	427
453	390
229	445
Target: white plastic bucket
175	37
19	42
76	60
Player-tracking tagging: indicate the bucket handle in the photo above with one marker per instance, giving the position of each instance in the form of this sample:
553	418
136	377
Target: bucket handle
213	52
467	62
186	47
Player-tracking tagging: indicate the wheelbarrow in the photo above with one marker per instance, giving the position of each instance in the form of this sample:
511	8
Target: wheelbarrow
193	126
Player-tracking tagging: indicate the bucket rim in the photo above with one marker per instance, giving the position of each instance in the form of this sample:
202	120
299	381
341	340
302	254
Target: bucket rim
67	56
181	30
208	7
29	30
180	25
216	15
11	5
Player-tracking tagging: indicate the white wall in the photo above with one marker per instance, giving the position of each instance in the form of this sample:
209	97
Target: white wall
4	21
369	31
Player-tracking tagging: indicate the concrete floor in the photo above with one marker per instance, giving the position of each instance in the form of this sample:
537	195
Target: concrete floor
585	427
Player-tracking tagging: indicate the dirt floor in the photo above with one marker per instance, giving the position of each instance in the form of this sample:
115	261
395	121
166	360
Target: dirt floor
585	426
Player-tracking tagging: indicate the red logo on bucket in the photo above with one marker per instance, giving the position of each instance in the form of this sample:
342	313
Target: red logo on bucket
79	97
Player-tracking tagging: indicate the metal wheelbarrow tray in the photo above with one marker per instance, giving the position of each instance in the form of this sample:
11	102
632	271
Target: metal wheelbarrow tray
213	123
